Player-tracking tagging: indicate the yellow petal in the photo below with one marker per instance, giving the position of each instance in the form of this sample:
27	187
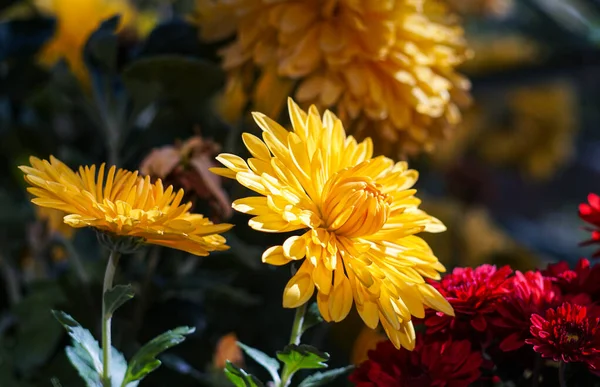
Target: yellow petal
256	147
435	300
299	289
369	312
274	256
340	299
295	247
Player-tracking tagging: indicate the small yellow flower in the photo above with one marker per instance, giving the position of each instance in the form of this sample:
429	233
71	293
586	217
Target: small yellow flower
385	67
76	21
359	216
54	221
122	204
366	341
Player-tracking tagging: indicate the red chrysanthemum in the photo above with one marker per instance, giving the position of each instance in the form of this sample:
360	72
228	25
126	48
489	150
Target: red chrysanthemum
567	333
590	212
583	279
527	294
473	294
435	364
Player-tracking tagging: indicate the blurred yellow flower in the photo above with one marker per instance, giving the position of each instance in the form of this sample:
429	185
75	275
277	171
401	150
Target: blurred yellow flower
538	139
227	349
122	204
499	52
76	21
360	218
54	221
476	238
366	341
493	8
386	67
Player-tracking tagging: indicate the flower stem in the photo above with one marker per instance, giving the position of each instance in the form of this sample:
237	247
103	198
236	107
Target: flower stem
286	376
109	275
562	366
537	368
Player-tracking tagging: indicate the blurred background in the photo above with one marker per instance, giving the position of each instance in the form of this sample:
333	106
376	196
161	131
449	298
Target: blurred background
507	183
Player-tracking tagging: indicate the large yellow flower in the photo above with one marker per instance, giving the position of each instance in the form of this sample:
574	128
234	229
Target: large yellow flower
386	67
360	218
122	204
76	21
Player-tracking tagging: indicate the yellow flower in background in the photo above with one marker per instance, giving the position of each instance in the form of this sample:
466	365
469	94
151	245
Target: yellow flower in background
366	341
76	21
359	218
476	239
54	221
539	137
487	8
497	52
122	204
385	67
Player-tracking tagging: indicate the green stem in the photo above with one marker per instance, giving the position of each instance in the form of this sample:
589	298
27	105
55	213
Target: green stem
286	375
562	366
109	275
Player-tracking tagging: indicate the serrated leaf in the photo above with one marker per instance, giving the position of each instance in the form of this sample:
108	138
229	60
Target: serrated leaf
270	364
86	356
145	361
239	377
312	317
85	352
116	297
302	357
322	378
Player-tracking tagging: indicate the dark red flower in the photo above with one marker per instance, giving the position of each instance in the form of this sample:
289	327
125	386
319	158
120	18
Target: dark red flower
590	212
528	293
583	279
435	364
567	333
473	294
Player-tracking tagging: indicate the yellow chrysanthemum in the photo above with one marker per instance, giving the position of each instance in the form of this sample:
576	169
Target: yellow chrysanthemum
76	21
386	67
360	218
122	204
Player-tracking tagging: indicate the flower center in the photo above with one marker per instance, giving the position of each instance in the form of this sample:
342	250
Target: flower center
572	337
354	206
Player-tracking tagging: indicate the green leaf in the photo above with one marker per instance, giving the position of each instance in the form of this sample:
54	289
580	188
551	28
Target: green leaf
86	356
241	378
302	357
145	361
100	50
322	378
116	297
312	317
36	334
85	352
55	382
270	364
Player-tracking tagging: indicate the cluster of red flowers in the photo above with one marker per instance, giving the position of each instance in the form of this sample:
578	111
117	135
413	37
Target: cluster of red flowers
517	322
